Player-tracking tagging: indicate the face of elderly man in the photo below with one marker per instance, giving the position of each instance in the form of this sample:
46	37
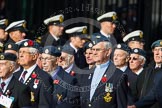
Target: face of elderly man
3	35
157	54
49	63
89	56
27	57
65	60
120	58
101	53
6	69
136	62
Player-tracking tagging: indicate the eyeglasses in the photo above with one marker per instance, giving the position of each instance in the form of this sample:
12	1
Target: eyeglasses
133	58
97	49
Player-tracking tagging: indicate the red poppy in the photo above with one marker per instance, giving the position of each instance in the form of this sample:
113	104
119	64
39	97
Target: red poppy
72	73
34	75
104	79
56	81
30	43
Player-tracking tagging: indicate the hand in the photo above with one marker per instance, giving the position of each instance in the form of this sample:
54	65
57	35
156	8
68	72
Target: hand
132	106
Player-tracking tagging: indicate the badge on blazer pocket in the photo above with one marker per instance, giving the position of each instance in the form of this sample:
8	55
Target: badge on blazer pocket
107	97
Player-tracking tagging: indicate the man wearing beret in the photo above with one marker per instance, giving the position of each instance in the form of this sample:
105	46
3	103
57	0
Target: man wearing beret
55	31
13	48
107	85
121	61
62	94
16	31
40	83
153	69
107	23
10	88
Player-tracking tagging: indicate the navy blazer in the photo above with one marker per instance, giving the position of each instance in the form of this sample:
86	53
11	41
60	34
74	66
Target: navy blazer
41	96
116	99
20	93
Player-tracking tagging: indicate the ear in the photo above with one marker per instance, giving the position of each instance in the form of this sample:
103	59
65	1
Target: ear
127	59
11	68
35	56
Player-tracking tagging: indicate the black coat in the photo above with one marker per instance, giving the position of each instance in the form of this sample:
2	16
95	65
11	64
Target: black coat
42	95
118	96
20	93
48	39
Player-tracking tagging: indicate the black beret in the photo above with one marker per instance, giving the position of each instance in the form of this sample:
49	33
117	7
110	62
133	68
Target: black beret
11	46
8	56
124	47
29	43
138	51
51	50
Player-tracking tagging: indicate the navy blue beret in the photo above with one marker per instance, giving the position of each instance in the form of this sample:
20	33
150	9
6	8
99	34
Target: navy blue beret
8	56
51	50
138	51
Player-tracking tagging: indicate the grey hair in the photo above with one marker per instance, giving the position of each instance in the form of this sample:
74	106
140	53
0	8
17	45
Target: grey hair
13	63
142	58
107	45
33	51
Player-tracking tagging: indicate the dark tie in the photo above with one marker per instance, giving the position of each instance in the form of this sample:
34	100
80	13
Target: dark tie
23	76
2	85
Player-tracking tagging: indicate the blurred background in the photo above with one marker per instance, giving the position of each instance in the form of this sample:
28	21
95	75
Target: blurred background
133	14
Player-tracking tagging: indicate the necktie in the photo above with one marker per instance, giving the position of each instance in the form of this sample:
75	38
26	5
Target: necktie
23	76
2	85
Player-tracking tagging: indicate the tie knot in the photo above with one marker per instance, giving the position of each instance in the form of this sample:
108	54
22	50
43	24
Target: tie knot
2	85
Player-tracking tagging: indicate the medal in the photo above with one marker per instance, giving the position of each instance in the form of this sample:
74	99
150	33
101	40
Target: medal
59	98
36	82
106	88
109	87
89	76
107	97
32	97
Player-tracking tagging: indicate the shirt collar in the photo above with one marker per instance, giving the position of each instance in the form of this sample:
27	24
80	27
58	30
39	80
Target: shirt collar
103	65
73	47
69	68
104	34
139	71
7	81
123	68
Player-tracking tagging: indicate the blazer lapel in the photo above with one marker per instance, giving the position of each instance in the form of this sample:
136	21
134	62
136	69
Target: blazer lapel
108	74
10	87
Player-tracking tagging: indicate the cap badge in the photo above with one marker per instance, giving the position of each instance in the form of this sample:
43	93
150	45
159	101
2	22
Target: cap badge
90	45
84	31
136	50
9	46
114	17
141	35
46	51
2	57
26	44
6	22
24	25
61	19
160	43
118	46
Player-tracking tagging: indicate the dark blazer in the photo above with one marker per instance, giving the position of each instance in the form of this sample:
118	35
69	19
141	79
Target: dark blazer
48	39
63	89
116	99
41	96
132	79
154	97
147	80
20	93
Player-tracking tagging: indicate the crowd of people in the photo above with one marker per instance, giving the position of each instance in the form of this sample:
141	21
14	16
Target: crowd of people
85	71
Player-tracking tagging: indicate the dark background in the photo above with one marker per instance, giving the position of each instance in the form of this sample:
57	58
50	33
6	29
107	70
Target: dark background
133	14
